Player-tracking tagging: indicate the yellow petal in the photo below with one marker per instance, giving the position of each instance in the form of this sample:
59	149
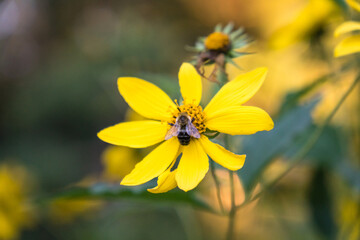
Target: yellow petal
237	91
153	164
145	98
193	166
136	134
347	46
165	183
190	84
222	156
240	120
347	27
354	4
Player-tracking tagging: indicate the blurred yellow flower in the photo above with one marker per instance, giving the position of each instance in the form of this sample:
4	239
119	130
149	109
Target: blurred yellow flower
290	72
66	210
355	4
350	220
306	23
350	44
300	71
118	162
224	113
15	209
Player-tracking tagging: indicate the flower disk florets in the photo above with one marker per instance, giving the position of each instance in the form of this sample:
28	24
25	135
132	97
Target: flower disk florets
196	114
217	41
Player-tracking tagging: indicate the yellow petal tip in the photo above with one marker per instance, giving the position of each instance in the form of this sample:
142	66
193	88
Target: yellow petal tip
120	81
185	189
271	125
124	182
338	53
155	190
152	190
262	70
128	182
100	135
186	64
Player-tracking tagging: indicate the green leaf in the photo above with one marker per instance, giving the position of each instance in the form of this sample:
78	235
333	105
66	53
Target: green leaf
106	191
329	149
292	98
263	147
321	205
332	152
349	173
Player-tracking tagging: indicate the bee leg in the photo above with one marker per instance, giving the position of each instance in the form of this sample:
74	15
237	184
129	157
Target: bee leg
178	108
171	124
192	120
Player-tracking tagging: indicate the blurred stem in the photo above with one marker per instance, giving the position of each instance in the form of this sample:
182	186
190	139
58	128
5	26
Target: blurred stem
300	155
222	76
191	226
230	231
223	79
217	185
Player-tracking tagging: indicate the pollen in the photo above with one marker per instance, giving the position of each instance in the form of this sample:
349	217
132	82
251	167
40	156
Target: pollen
217	41
194	111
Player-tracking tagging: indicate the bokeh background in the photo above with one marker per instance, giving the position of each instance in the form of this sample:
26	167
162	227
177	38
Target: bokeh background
59	61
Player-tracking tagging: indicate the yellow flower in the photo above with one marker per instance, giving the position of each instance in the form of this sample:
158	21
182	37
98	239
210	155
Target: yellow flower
355	4
349	219
350	44
118	161
315	14
65	210
224	113
15	209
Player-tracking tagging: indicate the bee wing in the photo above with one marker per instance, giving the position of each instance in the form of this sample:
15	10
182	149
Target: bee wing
191	130
173	131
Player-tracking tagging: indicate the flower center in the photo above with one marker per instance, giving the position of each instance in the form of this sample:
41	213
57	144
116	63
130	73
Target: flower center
217	41
195	112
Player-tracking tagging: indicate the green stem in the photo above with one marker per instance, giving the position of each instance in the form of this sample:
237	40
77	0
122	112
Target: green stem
300	155
222	76
217	185
223	79
230	231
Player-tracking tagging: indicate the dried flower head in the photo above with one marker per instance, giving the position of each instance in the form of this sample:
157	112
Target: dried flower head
219	48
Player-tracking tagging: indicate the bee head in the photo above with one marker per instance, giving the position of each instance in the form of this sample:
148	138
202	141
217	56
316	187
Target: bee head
183	118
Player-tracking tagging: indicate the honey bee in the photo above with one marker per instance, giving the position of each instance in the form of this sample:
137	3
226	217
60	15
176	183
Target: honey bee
183	129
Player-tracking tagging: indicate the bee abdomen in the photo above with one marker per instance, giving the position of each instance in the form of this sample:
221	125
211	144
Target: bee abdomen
184	138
